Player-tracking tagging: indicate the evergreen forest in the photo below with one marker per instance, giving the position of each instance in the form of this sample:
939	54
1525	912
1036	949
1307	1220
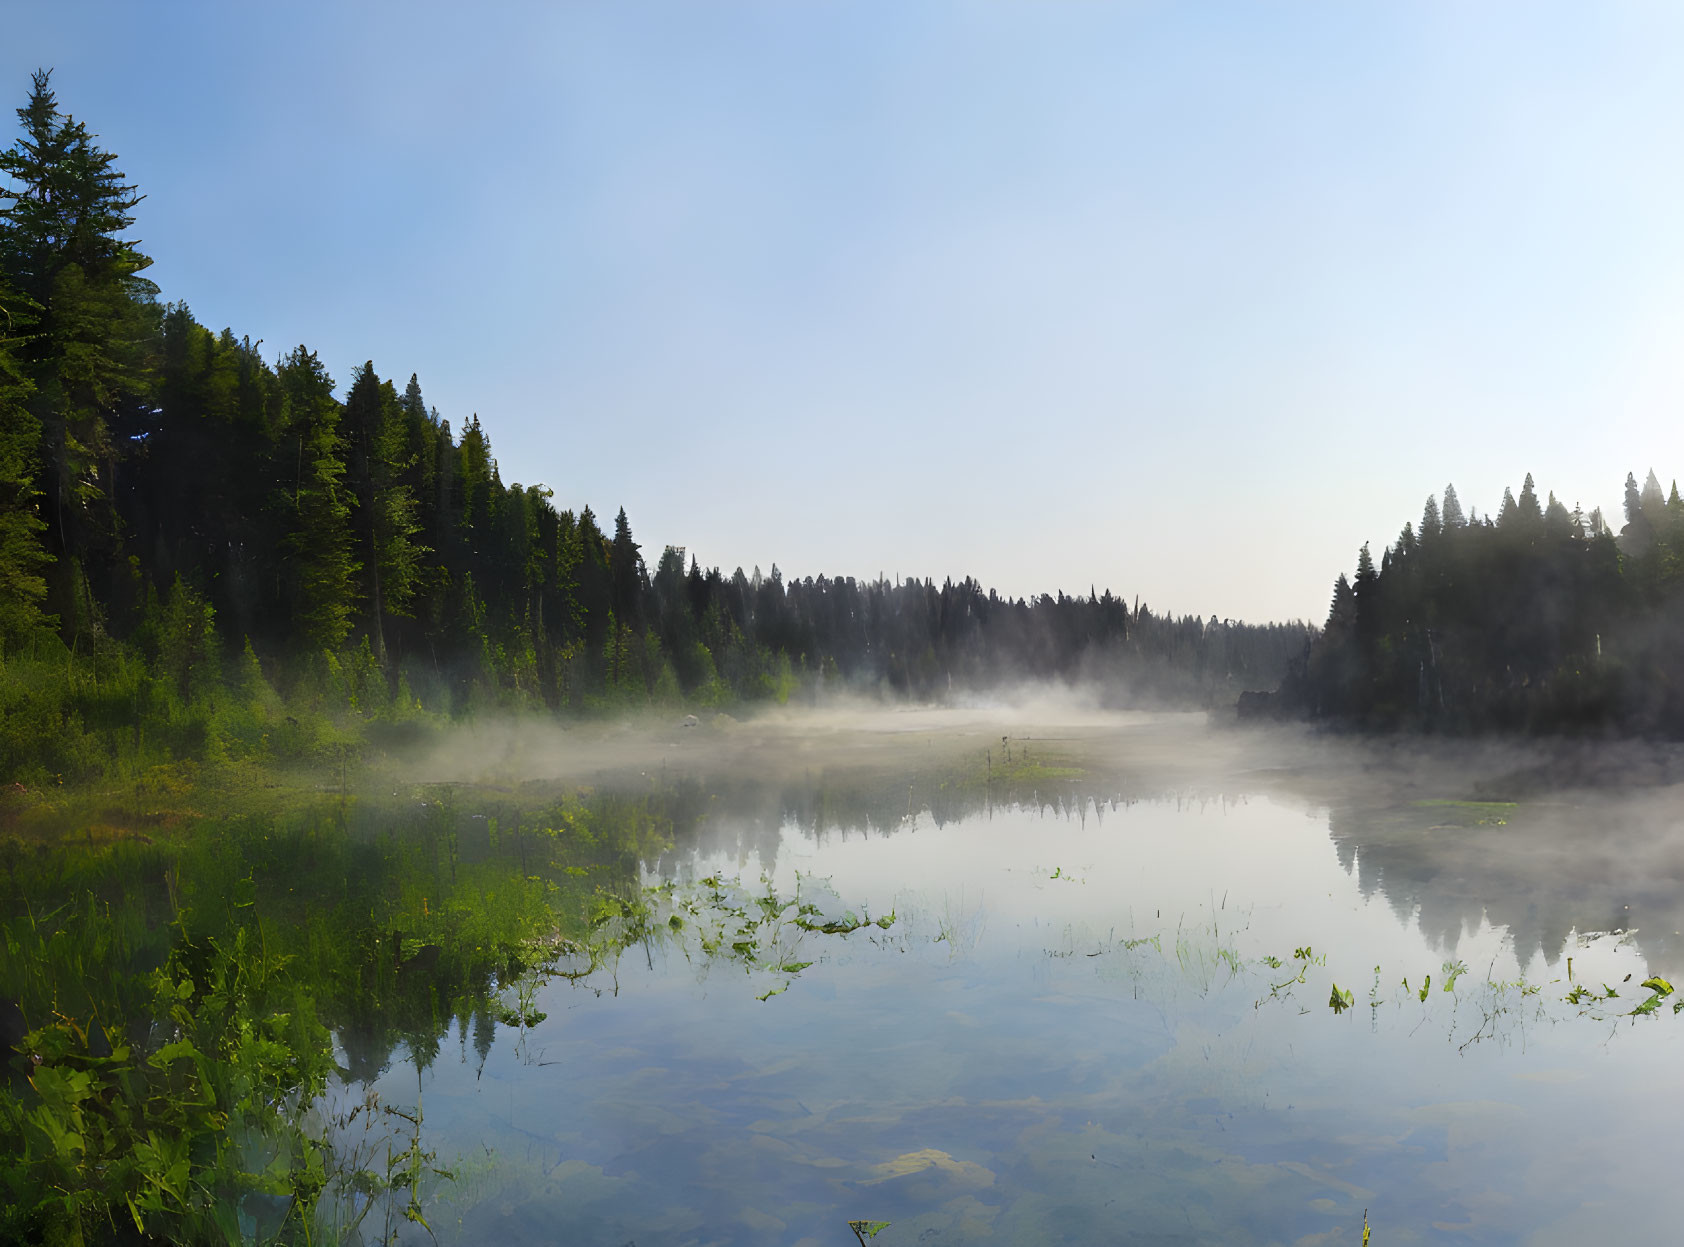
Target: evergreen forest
207	553
1539	619
274	631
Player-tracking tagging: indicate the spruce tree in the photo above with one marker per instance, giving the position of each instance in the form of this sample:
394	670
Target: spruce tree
421	443
1342	610
325	572
1507	513
1452	510
67	202
397	523
1431	526
625	563
87	357
596	586
1528	512
384	518
1367	588
471	490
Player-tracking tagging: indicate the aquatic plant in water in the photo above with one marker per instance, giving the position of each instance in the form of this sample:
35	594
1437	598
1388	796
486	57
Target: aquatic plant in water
198	1014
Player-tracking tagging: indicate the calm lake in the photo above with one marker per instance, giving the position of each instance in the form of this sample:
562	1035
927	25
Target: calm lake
1090	978
1104	1011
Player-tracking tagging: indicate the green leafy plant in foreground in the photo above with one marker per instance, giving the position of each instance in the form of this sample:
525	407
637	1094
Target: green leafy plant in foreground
187	1002
182	1125
1659	990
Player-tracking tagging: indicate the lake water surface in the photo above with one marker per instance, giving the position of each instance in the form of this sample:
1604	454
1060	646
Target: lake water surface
1109	1008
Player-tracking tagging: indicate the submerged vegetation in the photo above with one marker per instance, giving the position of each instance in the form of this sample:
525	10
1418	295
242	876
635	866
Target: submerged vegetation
1206	959
203	995
230	596
190	1017
179	1002
208	994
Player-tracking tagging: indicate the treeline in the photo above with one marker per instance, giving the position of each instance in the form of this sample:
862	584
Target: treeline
1537	619
179	514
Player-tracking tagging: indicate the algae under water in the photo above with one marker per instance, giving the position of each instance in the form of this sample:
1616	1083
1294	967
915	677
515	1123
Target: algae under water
1139	981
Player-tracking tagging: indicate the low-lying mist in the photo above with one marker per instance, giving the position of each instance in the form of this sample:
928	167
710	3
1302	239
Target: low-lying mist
1543	837
865	731
855	732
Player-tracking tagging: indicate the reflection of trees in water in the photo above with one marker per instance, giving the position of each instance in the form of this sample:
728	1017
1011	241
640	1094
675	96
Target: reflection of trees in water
1547	871
737	818
1585	864
405	919
400	920
378	927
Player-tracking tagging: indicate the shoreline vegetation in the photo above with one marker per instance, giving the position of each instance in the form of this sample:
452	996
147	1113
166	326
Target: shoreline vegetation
1538	621
271	659
205	553
204	986
194	1021
208	560
207	968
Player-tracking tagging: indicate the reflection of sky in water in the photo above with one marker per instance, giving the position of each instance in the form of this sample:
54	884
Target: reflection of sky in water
1000	1066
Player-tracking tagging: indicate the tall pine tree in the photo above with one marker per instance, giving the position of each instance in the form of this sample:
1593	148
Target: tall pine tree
325	571
88	357
1452	510
385	520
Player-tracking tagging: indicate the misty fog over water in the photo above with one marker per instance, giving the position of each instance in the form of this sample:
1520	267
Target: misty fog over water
1101	1011
394	851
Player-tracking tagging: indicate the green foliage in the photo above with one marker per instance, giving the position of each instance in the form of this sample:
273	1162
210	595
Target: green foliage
189	655
386	520
1541	620
66	717
183	996
22	556
174	1135
306	525
85	357
1659	990
320	505
1488	1003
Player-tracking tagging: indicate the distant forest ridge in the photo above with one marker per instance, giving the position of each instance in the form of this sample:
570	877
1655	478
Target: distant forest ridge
1538	619
176	507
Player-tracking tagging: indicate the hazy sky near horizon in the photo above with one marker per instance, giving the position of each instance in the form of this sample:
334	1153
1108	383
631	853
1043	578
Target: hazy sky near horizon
1187	301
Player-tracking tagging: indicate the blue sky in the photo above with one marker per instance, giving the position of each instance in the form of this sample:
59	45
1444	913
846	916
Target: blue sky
1187	301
